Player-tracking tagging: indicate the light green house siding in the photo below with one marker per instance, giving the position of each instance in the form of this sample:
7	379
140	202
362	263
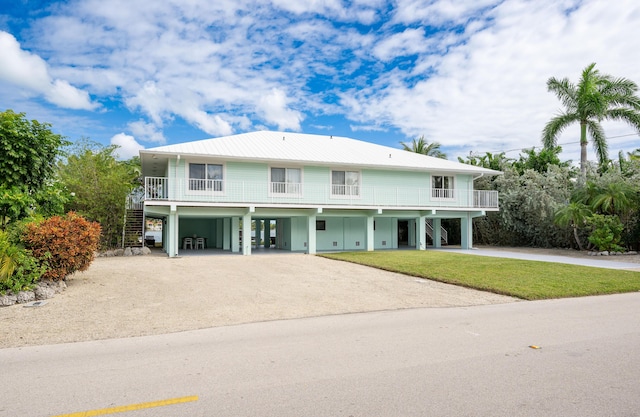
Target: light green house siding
386	233
342	233
332	238
385	198
249	182
293	234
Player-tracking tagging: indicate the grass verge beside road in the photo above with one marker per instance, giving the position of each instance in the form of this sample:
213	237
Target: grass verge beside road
529	280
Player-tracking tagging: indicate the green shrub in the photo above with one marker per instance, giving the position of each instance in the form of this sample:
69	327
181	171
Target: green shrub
18	269
64	244
607	232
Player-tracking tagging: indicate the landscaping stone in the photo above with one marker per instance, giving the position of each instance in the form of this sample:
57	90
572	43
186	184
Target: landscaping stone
8	300
127	252
44	292
25	297
136	251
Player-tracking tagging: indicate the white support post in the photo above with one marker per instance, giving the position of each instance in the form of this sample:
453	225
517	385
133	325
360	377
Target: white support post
466	231
235	234
311	234
437	233
421	231
370	233
174	236
226	239
246	234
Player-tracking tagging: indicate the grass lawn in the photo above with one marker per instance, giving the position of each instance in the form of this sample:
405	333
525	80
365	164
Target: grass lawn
529	280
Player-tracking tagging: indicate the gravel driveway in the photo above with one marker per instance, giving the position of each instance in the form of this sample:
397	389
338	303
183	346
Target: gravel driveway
136	296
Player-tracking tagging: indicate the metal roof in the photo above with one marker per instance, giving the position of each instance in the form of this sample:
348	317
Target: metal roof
289	147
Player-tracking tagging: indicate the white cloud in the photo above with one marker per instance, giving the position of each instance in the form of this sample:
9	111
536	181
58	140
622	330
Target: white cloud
148	132
437	13
274	107
409	42
211	124
128	146
28	70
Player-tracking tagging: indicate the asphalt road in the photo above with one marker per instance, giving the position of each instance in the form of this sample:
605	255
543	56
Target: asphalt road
472	361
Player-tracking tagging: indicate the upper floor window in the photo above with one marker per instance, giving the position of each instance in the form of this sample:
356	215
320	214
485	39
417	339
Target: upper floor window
442	186
205	177
286	180
345	183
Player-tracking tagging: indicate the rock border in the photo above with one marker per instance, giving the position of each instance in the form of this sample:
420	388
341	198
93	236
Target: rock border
43	290
607	253
128	251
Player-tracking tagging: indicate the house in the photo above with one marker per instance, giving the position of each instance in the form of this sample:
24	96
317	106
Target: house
319	193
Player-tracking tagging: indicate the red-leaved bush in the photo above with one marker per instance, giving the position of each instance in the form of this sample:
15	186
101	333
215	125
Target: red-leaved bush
64	244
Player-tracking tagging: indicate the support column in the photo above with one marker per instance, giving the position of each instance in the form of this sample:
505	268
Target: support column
411	232
246	234
235	234
258	232
267	234
370	233
226	234
311	234
219	233
466	231
421	231
174	235
437	233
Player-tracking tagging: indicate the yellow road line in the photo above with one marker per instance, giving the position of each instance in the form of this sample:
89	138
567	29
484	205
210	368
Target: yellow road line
132	407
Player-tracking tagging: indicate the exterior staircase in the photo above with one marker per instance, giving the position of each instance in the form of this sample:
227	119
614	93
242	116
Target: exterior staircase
133	233
444	236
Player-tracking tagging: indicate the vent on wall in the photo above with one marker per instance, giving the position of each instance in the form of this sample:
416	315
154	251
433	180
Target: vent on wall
384	243
358	243
335	243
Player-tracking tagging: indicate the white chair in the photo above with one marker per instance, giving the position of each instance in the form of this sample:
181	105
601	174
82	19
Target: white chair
187	243
200	243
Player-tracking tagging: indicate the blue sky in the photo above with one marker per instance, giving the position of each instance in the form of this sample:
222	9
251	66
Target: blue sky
468	74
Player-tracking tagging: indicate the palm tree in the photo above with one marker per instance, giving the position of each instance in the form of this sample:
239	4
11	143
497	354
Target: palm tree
595	98
575	214
615	198
420	145
497	162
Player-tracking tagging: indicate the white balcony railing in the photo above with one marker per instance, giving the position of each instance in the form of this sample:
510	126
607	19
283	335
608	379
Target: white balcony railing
442	193
244	192
286	188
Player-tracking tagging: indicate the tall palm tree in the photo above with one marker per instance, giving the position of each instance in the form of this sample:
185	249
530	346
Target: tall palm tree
595	98
420	145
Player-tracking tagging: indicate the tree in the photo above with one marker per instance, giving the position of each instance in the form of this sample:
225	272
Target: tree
101	185
574	214
28	154
595	98
497	162
539	161
528	203
28	151
420	145
615	198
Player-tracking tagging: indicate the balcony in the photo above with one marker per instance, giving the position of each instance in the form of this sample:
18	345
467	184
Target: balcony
244	192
